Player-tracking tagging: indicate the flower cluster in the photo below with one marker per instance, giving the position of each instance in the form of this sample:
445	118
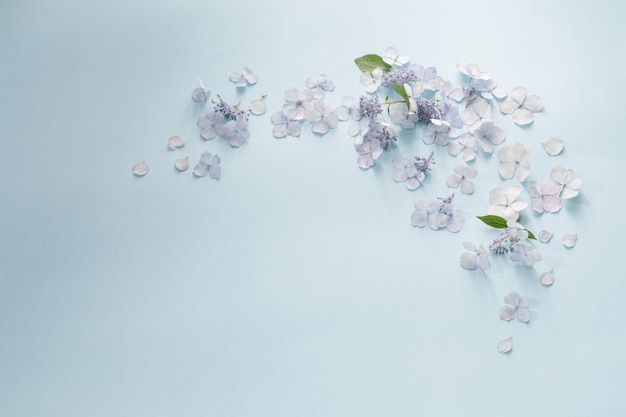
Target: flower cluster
437	214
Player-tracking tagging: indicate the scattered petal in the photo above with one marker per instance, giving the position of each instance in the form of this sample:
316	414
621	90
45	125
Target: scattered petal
553	146
175	142
182	164
506	345
258	106
545	236
141	168
569	241
547	278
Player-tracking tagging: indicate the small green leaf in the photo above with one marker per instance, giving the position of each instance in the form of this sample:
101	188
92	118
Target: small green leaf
368	63
493	221
531	235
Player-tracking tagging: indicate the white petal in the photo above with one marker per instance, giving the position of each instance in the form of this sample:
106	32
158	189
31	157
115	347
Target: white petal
467	187
569	241
201	170
215	172
453	181
545	236
508	105
469	260
553	146
522	314
175	142
413	184
258	106
533	103
512	298
470	246
182	164
507	170
547	278
419	218
141	168
518	94
523	117
506	345
507	313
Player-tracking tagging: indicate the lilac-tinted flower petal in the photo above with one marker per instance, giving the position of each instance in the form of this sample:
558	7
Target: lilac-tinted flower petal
518	94
506	345
507	170
469	260
470	246
182	164
533	104
547	278
453	181
507	313
413	184
508	105
201	170
569	241
141	168
175	142
544	236
522	314
467	187
215	172
419	218
258	106
512	298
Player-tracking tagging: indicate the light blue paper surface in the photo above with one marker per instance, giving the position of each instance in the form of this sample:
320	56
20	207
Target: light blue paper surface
294	285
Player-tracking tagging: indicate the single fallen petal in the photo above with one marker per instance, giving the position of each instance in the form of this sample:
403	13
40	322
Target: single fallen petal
545	236
182	164
258	106
569	241
175	142
553	146
141	168
547	278
506	345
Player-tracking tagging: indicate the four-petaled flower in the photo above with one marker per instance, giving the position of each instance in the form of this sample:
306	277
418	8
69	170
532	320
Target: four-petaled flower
393	57
568	183
461	178
477	257
504	203
514	160
235	132
516	307
371	81
521	106
242	79
544	196
488	135
368	151
322	117
524	253
285	124
208	164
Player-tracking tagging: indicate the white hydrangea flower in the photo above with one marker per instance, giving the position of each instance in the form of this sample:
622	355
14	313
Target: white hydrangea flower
544	196
463	174
393	57
504	203
568	183
477	257
521	106
372	80
514	160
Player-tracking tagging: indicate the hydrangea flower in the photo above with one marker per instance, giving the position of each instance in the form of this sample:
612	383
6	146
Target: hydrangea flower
393	57
514	160
521	106
436	134
461	178
244	78
477	257
383	132
372	80
235	132
297	101
488	135
568	183
208	164
525	254
369	107
453	219
466	145
473	71
368	151
285	124
319	84
427	77
505	242
322	117
229	111
210	124
348	109
476	113
200	95
427	213
413	172
359	130
544	196
398	75
400	115
504	203
515	307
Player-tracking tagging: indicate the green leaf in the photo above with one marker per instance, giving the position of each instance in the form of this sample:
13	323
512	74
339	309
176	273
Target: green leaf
531	235
493	221
368	63
402	91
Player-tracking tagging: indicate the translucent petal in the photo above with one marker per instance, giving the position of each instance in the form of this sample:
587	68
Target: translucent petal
175	142
506	345
455	224
507	313
292	94
208	133
547	278
413	184
522	173
523	117
522	314
453	181
467	187
399	175
365	161
470	246
518	94
544	236
508	105
569	241
469	260
533	103
215	172
182	164
553	146
506	170
141	168
552	203
258	106
512	298
250	77
279	131
419	218
201	170
470	172
455	148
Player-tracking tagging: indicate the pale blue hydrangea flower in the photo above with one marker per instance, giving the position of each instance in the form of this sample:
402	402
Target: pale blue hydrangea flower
229	111
348	109
413	172
369	107
521	106
544	196
285	124
200	94
436	134
568	183
319	84
400	115
399	75
210	124
393	57
504	203
473	71
322	117
489	135
371	81
208	164
466	145
383	132
514	161
235	132
525	254
461	178
368	151
297	101
244	78
359	130
477	257
475	113
437	214
515	307
428	77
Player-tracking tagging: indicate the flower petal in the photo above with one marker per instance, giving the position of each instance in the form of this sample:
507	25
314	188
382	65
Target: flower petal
469	260
569	241
141	168
182	164
547	278
522	314
553	146
505	345
533	103
175	142
507	313
545	236
523	117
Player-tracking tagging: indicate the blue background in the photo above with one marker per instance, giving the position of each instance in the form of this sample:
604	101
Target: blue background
295	284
